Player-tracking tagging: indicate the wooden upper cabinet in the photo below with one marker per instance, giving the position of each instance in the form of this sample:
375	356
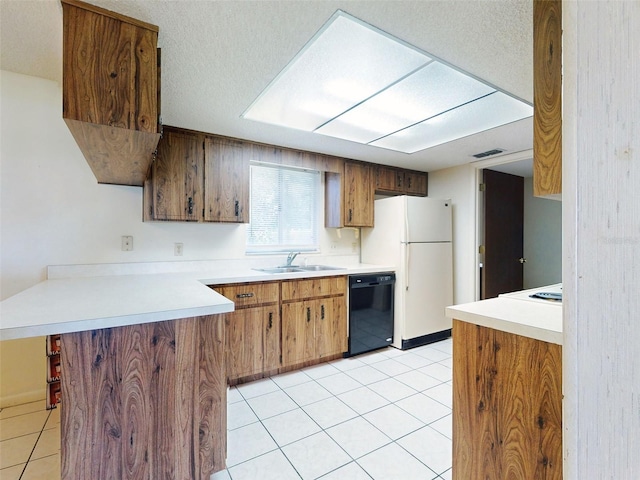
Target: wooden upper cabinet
547	98
110	90
415	183
226	181
398	181
388	179
349	196
177	180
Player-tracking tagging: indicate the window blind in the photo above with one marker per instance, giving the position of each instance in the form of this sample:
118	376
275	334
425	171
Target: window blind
284	209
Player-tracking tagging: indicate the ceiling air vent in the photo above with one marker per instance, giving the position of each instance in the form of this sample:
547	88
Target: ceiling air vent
488	153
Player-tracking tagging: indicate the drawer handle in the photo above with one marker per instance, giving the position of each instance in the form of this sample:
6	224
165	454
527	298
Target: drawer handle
350	215
308	314
321	312
244	295
237	208
190	206
270	320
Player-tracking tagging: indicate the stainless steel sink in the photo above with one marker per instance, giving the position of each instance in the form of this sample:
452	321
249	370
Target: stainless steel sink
297	268
279	269
318	268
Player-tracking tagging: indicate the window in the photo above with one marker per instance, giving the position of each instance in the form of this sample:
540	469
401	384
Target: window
285	206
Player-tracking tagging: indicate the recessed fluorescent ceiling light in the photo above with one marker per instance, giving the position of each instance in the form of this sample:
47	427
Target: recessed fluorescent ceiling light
356	82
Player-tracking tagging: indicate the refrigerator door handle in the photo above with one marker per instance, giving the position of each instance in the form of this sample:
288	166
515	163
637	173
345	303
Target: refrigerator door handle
406	264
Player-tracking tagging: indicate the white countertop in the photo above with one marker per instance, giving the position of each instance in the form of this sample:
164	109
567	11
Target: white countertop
74	300
516	313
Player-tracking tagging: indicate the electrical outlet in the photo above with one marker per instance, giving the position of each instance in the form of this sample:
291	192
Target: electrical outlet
127	243
354	247
334	245
177	249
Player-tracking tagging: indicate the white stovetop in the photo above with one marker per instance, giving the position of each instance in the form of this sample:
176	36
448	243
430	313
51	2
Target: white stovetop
516	313
87	297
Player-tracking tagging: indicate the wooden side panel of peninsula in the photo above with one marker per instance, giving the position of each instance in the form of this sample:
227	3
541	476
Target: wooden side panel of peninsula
145	401
507	405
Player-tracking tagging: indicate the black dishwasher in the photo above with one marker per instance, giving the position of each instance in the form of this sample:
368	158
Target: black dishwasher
370	312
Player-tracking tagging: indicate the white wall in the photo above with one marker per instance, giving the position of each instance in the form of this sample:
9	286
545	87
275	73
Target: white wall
542	243
601	239
54	212
459	184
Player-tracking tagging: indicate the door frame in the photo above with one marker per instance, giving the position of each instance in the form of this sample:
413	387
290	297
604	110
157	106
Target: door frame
479	220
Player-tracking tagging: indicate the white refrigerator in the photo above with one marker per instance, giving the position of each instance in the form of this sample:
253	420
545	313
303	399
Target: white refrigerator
414	235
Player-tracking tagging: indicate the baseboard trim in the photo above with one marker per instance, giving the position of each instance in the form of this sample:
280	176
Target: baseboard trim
22	398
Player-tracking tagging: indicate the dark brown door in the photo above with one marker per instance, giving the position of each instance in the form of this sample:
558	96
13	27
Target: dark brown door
503	233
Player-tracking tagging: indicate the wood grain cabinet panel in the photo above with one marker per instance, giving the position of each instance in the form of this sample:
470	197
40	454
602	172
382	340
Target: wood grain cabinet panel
331	327
226	181
398	181
176	183
415	183
313	288
298	332
388	179
110	90
145	401
314	319
507	405
252	342
547	98
349	196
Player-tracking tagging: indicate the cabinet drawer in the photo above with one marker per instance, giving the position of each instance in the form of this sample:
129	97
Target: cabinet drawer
312	288
250	294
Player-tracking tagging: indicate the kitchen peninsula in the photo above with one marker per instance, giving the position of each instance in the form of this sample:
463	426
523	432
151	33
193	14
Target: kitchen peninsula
507	387
144	379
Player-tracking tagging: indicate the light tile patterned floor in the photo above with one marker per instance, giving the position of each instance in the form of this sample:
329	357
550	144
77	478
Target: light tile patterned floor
383	415
29	442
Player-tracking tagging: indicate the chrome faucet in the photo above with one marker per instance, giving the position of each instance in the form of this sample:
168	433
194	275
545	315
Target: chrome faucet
291	257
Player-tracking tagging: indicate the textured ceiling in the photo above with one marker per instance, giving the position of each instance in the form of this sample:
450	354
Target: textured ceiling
217	56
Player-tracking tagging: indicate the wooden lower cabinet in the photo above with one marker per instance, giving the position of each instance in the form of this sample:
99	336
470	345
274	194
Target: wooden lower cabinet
252	341
507	405
314	319
331	327
283	324
144	401
252	331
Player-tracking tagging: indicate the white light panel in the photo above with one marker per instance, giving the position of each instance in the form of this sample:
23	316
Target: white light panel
488	112
355	82
433	89
345	63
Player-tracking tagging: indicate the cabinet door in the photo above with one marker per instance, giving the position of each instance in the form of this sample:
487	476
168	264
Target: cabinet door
389	179
358	195
331	326
110	69
298	342
177	177
243	342
226	190
271	338
415	183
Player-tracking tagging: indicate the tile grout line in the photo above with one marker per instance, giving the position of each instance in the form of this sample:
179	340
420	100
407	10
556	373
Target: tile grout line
338	371
26	464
